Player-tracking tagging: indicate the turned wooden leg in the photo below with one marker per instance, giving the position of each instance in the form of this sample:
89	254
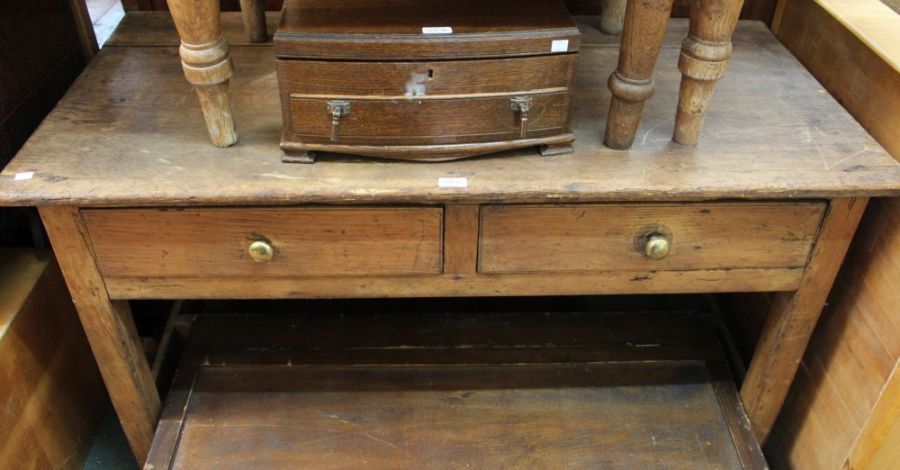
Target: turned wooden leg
632	82
254	15
793	318
109	328
612	16
207	64
704	59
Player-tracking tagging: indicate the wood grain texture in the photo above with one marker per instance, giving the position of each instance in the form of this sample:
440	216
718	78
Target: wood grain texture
631	83
253	13
307	242
455	391
109	327
461	238
457	285
612	16
542	415
127	135
794	315
207	64
851	354
855	72
610	237
52	394
856	345
348	79
878	445
393	30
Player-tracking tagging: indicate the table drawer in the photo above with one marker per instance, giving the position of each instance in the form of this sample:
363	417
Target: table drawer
304	241
647	237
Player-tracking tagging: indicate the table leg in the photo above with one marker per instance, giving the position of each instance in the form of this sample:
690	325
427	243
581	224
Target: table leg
632	82
793	317
612	16
207	64
109	328
254	16
704	59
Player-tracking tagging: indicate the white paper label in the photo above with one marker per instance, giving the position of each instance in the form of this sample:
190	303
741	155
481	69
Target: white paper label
559	45
27	175
457	182
437	30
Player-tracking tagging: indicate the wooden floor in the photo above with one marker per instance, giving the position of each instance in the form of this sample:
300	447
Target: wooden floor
446	390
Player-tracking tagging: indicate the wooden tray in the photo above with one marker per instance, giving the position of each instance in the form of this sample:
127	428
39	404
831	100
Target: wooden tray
549	390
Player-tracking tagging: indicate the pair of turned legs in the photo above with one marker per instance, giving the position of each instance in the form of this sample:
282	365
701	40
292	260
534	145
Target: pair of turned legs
206	61
704	59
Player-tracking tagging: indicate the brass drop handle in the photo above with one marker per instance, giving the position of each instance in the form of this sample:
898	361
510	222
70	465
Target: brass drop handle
657	246
261	251
337	109
522	105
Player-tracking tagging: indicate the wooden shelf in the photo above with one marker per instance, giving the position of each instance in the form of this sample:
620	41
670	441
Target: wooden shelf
479	390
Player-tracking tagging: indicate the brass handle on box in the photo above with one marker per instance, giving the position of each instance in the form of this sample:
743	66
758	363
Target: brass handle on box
261	251
337	109
522	105
657	246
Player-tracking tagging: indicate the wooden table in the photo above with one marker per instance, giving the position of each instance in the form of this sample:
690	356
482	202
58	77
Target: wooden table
138	205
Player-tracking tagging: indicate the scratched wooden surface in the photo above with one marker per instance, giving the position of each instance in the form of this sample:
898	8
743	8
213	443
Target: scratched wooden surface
415	386
129	133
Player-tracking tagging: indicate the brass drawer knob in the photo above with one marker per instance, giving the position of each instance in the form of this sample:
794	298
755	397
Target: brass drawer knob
657	246
261	251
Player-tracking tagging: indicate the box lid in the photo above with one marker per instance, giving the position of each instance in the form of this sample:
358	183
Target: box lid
424	29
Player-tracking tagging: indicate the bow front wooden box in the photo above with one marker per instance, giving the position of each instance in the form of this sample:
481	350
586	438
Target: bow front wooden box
425	79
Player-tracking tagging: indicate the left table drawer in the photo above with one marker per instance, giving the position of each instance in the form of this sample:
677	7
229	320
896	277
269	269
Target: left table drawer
287	242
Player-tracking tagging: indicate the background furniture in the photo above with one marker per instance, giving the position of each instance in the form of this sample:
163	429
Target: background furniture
52	394
795	182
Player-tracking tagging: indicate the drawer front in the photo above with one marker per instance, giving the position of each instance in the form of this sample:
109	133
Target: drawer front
632	237
304	241
401	79
428	121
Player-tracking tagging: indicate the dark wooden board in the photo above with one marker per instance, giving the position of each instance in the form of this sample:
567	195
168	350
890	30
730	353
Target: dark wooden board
403	389
547	416
130	132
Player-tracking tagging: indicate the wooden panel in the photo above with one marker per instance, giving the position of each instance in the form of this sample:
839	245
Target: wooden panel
859	75
124	136
309	241
609	237
398	79
851	354
458	285
432	400
52	395
878	445
480	417
393	30
430	120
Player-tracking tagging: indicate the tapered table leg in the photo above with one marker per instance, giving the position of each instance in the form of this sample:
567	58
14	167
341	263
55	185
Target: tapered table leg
109	328
704	59
632	82
254	15
793	317
612	16
207	64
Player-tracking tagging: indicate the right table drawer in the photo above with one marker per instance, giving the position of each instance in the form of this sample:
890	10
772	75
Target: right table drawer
654	237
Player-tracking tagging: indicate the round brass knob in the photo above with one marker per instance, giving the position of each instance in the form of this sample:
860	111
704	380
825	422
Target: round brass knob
657	246
261	251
